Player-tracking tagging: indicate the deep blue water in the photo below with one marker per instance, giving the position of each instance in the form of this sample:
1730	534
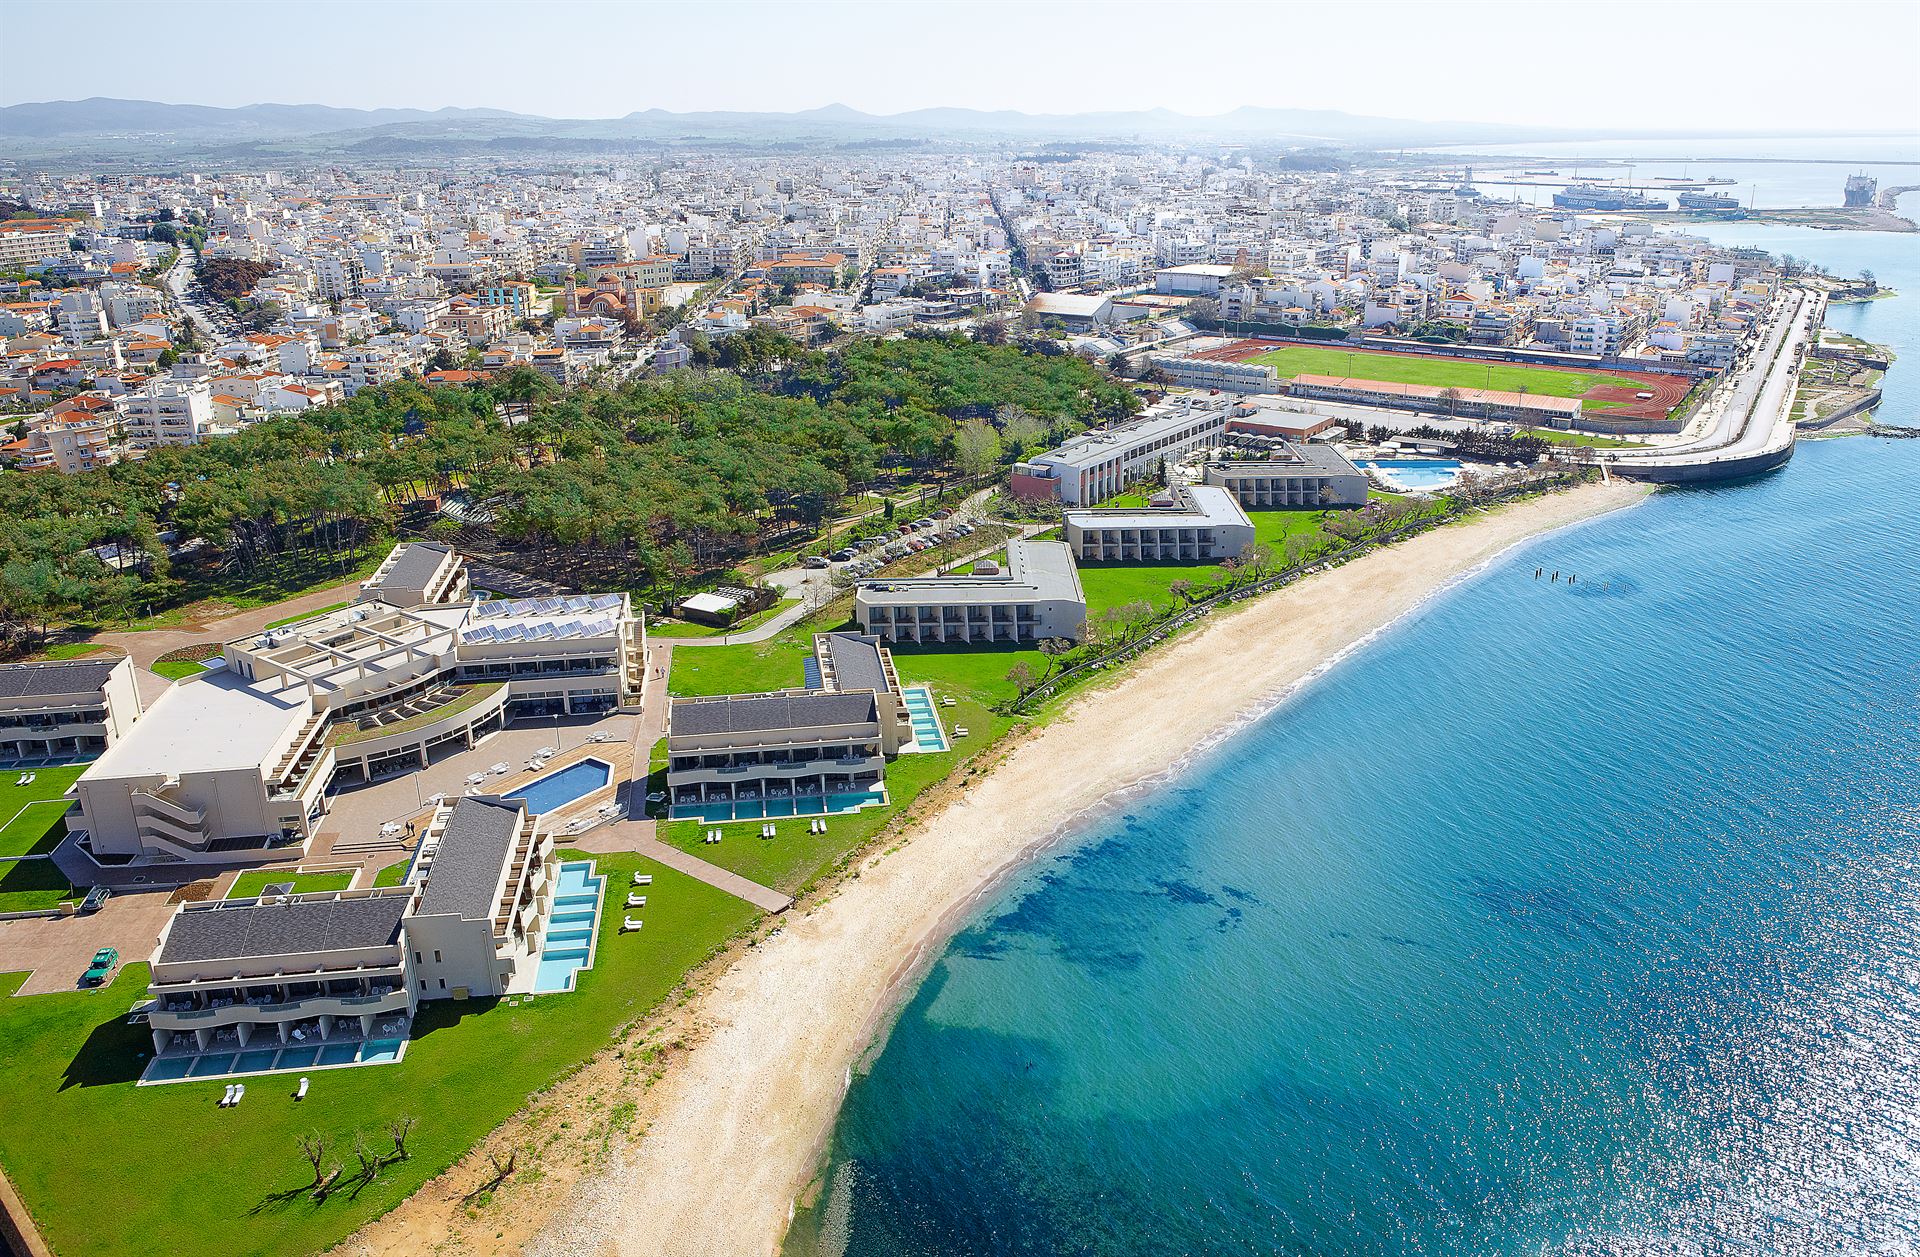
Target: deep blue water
1568	919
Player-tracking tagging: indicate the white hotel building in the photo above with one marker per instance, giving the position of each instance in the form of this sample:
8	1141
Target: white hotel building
1092	467
235	766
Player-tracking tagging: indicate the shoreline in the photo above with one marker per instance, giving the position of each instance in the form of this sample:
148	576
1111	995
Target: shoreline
753	1104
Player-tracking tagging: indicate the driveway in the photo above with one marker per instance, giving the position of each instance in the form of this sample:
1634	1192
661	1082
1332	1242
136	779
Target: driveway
57	949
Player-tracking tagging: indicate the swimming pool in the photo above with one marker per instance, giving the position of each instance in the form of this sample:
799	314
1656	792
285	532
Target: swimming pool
272	1059
927	733
1414	475
557	789
780	808
568	945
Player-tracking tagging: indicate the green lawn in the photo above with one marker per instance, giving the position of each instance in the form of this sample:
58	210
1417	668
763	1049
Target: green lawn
34	886
1582	438
1437	372
178	669
683	628
775	664
348	731
393	874
36	830
75	650
208	1177
249	885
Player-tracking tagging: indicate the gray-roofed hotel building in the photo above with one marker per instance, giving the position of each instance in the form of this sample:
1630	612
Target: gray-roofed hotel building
345	967
1037	595
792	750
70	707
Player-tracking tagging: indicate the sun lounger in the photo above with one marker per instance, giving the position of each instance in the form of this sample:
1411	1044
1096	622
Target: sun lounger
636	901
226	1098
500	768
629	924
239	1092
643	879
960	731
301	1094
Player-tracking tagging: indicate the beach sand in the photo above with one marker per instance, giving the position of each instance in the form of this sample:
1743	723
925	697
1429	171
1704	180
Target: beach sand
735	1129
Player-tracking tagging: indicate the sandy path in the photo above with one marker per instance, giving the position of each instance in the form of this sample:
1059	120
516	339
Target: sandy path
742	1120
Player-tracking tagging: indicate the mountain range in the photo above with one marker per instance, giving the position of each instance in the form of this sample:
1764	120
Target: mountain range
267	130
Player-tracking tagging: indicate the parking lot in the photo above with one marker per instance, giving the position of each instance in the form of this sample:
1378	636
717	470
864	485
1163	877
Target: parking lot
864	558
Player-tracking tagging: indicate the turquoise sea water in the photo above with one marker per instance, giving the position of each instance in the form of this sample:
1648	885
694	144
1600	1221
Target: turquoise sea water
1559	919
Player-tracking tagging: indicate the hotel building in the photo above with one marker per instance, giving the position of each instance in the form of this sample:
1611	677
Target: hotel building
1187	524
349	967
75	707
1092	467
1294	477
236	765
1037	595
806	747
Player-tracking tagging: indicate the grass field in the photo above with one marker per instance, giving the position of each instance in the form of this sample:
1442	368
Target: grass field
216	1180
250	885
686	628
33	886
308	615
1437	372
393	874
35	830
31	824
178	669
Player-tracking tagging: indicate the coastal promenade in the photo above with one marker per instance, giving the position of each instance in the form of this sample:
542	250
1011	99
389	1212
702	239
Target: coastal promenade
1752	428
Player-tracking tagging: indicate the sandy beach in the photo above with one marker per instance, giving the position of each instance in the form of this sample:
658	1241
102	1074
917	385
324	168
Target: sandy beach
736	1128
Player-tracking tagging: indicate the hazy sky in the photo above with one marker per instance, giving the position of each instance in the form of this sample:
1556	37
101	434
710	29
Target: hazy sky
1672	64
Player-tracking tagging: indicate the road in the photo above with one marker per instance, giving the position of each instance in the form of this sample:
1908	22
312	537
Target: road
1752	417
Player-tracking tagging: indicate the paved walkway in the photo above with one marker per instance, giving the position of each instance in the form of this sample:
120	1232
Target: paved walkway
637	837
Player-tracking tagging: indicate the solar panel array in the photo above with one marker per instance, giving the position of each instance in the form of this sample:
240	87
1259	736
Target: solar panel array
571	604
544	631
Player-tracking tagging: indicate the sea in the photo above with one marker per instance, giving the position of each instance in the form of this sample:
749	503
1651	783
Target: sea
1566	916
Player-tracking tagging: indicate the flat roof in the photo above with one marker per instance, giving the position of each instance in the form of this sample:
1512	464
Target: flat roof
463	878
1318	459
1193	506
1097	445
1220	269
248	930
1068	304
63	676
1036	571
764	713
209	724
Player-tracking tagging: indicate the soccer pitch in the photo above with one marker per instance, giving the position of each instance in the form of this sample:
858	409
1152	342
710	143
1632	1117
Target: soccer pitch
1291	360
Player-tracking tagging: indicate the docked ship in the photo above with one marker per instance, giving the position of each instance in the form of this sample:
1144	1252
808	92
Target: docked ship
1708	201
1587	196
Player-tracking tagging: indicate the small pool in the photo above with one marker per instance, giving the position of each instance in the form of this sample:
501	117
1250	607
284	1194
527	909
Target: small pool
1414	475
779	809
927	733
568	945
557	789
272	1059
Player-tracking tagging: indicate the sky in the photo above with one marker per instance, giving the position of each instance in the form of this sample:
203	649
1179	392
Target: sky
1678	65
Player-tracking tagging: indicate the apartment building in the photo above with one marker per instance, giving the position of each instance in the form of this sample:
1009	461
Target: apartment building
1213	373
296	981
1036	595
71	707
28	240
237	764
1186	524
168	412
67	443
1294	477
1090	468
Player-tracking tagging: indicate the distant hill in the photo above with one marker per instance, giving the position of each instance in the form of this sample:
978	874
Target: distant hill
267	131
103	116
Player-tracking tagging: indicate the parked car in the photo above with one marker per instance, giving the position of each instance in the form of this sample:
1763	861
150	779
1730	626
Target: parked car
943	514
841	556
814	560
102	967
96	899
923	522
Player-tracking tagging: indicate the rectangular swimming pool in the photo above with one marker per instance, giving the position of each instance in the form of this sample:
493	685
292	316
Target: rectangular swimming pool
1414	475
778	809
927	733
557	789
271	1058
568	945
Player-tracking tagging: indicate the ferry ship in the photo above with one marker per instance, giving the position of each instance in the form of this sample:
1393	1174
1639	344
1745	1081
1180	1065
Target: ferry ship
1708	201
1587	196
